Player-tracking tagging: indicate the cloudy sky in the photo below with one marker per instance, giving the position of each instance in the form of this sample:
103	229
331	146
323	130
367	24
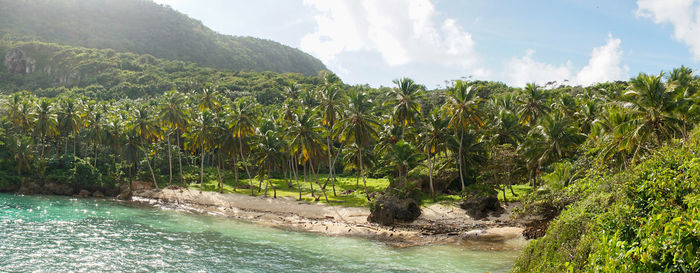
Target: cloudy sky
513	41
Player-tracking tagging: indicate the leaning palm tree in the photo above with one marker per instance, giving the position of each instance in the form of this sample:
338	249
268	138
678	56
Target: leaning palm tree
434	141
404	100
147	130
462	108
358	128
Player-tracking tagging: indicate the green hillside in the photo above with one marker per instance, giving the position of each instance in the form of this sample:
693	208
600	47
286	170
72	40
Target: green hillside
145	27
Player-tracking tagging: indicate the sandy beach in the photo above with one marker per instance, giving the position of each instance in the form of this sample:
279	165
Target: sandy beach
438	223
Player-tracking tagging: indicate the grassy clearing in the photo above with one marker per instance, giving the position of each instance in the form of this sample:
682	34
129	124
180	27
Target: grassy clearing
520	191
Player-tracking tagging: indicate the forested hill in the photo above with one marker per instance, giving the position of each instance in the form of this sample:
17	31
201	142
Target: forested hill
144	27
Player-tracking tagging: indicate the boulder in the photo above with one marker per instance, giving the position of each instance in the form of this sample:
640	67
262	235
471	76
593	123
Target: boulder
124	195
111	191
141	185
29	188
98	194
388	209
84	194
479	207
58	189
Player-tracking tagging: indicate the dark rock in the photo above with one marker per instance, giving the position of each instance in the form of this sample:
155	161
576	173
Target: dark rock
9	187
29	189
479	207
111	191
124	195
84	194
58	189
389	209
98	194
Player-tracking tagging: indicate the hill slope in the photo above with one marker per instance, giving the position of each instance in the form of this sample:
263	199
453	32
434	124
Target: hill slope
144	27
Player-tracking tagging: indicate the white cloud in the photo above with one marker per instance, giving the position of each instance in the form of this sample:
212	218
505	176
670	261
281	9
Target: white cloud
683	15
401	31
604	65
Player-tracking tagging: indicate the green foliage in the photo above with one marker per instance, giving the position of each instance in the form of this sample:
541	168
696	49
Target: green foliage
146	28
646	219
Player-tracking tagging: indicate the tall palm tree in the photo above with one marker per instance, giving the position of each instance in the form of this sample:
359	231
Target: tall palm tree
201	138
358	127
404	100
243	115
173	118
434	141
147	131
69	120
45	123
462	107
331	99
558	136
402	158
306	142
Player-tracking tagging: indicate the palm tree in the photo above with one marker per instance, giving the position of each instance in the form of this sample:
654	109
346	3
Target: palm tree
270	153
533	104
404	99
358	127
242	125
69	120
652	105
306	142
402	158
146	129
45	123
434	141
173	118
558	137
201	138
462	106
331	99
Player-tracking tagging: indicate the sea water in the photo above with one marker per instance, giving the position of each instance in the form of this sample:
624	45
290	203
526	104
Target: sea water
60	234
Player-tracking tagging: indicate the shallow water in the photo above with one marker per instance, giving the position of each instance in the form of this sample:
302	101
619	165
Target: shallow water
58	234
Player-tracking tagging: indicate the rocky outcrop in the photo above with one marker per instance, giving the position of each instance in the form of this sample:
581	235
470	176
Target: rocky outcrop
98	194
17	61
479	207
29	188
125	192
388	209
58	189
84	194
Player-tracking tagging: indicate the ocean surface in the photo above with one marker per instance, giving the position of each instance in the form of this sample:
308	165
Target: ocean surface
60	234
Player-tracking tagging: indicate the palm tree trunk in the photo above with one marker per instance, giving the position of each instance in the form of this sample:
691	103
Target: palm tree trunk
311	164
430	174
148	162
170	162
330	164
296	176
201	172
263	178
245	164
218	171
461	168
235	172
274	191
179	155
362	173
309	180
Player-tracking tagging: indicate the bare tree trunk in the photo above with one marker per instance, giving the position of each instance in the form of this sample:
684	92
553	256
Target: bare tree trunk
430	172
330	164
309	180
262	177
461	168
218	171
179	155
311	164
170	162
362	172
148	162
245	164
296	176
201	172
274	190
235	172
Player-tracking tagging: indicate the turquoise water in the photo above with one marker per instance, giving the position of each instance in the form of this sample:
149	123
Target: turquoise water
57	234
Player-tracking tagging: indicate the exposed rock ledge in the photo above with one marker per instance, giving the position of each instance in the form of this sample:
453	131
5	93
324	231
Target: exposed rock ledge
439	224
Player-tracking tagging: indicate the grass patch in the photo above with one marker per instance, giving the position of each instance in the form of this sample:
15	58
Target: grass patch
520	191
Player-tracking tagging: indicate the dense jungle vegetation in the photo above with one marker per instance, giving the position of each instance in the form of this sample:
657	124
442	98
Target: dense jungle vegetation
144	27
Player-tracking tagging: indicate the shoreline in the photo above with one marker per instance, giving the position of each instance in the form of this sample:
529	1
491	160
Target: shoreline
438	223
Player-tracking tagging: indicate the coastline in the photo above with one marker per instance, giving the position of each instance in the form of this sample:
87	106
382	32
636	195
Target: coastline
438	223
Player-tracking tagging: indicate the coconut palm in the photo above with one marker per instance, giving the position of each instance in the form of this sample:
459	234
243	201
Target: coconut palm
358	128
201	138
533	104
434	141
402	158
173	118
242	125
69	120
652	104
404	100
462	108
306	142
331	99
45	122
147	131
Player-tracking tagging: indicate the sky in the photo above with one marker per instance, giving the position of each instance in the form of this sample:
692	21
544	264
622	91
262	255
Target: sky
577	42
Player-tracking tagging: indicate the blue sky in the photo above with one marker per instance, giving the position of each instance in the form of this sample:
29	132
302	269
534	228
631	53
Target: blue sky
431	41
